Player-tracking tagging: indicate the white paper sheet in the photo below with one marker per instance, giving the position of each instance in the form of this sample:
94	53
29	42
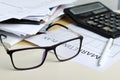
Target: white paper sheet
21	29
92	38
22	8
92	47
51	38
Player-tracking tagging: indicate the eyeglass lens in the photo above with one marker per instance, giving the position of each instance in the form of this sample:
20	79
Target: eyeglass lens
34	57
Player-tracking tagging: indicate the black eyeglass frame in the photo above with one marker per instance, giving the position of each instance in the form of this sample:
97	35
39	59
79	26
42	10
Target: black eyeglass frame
53	47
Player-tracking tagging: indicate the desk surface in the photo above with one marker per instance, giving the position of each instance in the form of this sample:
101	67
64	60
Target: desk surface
54	70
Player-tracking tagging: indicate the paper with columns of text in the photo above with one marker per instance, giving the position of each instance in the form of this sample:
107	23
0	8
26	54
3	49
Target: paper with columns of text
91	48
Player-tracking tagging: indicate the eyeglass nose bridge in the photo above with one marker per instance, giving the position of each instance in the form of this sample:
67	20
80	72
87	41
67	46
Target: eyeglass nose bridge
47	50
51	50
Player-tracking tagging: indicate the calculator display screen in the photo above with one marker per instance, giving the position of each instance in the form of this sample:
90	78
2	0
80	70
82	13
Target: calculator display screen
86	8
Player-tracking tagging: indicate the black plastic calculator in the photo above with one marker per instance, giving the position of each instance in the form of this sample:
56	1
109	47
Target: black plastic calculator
96	17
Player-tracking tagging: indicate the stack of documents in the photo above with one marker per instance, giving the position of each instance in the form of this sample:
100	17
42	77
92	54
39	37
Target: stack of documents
25	8
39	11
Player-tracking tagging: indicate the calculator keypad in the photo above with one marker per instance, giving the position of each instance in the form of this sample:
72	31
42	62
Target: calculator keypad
108	22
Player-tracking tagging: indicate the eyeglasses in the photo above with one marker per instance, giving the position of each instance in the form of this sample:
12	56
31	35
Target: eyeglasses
33	57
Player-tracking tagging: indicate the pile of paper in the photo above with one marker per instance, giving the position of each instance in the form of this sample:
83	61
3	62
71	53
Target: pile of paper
25	8
33	10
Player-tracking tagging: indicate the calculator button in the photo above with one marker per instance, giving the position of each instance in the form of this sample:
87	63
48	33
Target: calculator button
112	26
91	18
91	22
101	18
113	15
118	28
99	25
117	24
97	16
96	20
101	22
107	20
102	15
112	19
106	17
117	21
112	22
107	24
113	30
117	17
106	28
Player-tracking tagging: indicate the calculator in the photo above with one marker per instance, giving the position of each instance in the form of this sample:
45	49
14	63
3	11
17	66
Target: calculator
96	17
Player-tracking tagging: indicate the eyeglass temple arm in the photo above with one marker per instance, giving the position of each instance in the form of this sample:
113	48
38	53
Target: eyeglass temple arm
74	32
50	25
2	41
